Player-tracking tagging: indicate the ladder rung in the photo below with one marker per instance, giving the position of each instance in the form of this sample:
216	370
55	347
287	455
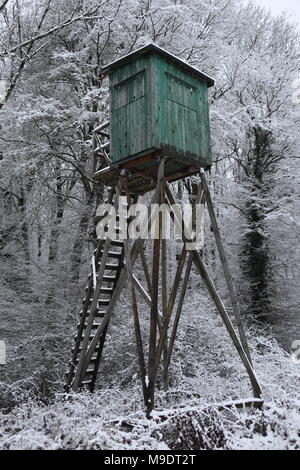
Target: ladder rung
111	267
112	254
98	313
100	302
80	349
117	243
94	326
93	359
90	301
109	278
86	382
91	337
106	290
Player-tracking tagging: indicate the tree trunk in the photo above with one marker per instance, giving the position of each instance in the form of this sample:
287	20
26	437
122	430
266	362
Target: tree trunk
255	250
78	244
53	244
255	264
54	235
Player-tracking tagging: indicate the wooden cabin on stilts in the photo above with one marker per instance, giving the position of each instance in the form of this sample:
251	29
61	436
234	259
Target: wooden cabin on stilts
158	133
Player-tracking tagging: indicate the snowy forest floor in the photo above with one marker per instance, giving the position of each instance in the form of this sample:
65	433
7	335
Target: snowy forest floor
205	370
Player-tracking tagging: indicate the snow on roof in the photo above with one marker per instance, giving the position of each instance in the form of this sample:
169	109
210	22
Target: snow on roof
154	48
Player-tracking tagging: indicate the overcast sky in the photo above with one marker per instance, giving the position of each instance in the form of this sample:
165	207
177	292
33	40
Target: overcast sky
277	6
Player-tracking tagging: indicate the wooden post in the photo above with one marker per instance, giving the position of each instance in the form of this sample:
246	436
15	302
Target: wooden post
164	283
165	325
136	320
226	320
216	299
146	270
154	299
160	321
224	262
181	298
176	321
147	297
153	325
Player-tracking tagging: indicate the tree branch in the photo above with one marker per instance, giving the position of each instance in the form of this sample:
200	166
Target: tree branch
64	24
3	5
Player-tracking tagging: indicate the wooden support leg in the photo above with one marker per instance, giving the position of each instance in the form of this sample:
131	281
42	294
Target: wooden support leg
167	318
224	262
216	299
146	296
167	361
139	341
153	325
164	285
146	270
136	320
226	320
154	301
176	321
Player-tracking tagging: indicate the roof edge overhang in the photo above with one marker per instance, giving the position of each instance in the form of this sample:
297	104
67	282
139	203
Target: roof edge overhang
107	69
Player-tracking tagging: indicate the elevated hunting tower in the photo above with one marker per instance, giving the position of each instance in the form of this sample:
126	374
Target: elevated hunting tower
159	133
158	106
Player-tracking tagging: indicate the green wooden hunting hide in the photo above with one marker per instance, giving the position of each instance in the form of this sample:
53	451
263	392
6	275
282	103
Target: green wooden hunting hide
159	105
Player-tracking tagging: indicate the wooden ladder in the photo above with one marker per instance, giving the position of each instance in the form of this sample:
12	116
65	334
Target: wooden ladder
107	263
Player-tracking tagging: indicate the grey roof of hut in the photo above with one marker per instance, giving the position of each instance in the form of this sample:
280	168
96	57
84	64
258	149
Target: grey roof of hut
154	48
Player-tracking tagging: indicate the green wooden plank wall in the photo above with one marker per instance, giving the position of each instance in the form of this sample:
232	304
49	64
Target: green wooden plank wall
157	105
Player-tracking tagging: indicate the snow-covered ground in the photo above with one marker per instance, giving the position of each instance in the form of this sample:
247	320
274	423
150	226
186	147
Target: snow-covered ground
113	417
87	422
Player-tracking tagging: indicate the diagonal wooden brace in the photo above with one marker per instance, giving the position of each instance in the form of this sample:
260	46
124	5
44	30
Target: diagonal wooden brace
222	311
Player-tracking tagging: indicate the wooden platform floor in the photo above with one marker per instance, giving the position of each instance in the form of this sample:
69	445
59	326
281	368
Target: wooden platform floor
141	179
